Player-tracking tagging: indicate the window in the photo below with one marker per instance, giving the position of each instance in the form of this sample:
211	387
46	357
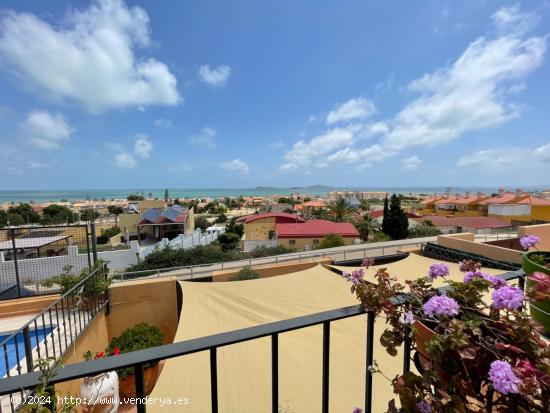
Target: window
315	241
292	242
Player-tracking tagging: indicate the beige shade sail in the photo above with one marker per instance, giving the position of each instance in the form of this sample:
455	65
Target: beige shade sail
244	370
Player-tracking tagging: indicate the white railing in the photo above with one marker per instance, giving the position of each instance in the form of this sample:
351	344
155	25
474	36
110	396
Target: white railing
250	245
182	241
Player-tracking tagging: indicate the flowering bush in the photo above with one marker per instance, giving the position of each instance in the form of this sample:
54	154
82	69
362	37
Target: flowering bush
483	353
88	355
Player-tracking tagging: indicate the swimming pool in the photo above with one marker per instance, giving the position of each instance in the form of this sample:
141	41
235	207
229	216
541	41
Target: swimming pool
11	350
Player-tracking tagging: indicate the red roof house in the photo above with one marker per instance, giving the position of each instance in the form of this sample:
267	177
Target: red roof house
316	228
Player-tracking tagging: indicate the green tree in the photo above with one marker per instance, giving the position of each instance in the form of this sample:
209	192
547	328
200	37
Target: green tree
15	219
246	273
115	210
229	241
221	219
166	195
202	223
367	226
396	221
58	214
89	215
235	228
331	241
26	212
385	216
135	197
425	229
339	209
3	218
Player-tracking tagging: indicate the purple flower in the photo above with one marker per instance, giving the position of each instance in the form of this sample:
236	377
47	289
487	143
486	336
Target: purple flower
440	305
503	378
367	262
407	318
424	407
357	410
438	269
496	282
355	276
529	241
507	297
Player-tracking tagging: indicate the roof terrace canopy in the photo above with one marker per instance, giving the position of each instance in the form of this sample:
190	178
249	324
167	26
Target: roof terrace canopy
244	371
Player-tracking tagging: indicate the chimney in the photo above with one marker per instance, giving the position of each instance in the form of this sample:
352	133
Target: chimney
519	192
500	191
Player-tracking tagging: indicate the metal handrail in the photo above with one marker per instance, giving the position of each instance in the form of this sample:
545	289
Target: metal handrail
138	359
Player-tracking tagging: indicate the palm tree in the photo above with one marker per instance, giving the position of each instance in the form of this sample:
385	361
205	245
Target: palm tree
367	226
339	209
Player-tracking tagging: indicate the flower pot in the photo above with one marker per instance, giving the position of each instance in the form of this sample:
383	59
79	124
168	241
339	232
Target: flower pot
97	389
540	310
127	385
422	334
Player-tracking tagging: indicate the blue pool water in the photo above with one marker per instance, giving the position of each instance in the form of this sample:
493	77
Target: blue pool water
11	351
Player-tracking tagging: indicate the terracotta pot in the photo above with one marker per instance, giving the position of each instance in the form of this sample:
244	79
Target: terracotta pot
422	334
540	310
127	385
101	387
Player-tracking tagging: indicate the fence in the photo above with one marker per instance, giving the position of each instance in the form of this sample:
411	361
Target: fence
52	332
139	359
181	241
29	255
339	253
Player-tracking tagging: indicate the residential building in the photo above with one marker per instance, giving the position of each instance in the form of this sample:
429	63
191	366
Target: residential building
474	224
308	235
261	227
361	195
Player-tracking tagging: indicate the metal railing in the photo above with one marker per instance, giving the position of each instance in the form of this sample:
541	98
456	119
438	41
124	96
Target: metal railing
138	359
53	331
339	253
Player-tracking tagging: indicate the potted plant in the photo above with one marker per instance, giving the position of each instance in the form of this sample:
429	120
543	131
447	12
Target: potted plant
535	263
102	386
139	337
476	356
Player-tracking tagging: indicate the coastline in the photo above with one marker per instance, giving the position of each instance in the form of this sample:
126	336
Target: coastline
117	194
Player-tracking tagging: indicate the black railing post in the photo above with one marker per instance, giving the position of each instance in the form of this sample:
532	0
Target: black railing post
369	362
140	389
521	281
88	236
214	379
106	293
326	366
16	267
94	243
274	373
28	348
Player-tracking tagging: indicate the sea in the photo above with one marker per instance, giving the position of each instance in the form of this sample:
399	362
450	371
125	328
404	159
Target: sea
39	196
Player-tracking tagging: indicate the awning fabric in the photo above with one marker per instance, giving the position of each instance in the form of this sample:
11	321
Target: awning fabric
244	370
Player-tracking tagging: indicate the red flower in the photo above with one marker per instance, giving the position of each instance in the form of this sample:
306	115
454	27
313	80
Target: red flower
116	351
99	355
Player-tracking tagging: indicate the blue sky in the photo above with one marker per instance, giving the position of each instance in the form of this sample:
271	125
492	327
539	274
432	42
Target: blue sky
113	94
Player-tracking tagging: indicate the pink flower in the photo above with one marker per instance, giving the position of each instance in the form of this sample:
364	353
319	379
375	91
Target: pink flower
438	269
367	262
503	378
440	305
529	241
508	297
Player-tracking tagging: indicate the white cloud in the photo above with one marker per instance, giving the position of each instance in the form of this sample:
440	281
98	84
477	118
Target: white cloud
215	76
180	167
163	123
206	138
357	108
46	130
513	18
499	159
39	165
127	159
236	165
277	145
542	153
142	147
411	163
89	58
472	93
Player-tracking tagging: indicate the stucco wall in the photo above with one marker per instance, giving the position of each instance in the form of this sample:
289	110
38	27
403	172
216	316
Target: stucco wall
23	306
144	301
301	243
465	242
94	338
259	229
542	231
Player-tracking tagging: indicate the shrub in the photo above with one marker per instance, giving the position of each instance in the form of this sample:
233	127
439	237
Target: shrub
66	279
331	241
202	223
263	251
246	273
138	337
229	241
169	257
